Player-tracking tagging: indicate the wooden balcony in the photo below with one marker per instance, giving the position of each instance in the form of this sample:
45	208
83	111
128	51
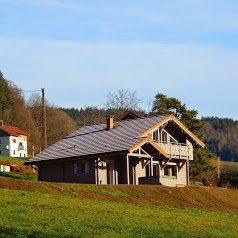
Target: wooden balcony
177	150
20	147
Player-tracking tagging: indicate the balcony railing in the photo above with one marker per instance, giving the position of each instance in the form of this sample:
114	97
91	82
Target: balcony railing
20	147
177	150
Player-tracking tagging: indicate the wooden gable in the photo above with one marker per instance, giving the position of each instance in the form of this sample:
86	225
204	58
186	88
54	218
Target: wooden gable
127	115
177	126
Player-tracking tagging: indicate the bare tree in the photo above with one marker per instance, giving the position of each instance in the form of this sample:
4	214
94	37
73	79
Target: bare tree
123	99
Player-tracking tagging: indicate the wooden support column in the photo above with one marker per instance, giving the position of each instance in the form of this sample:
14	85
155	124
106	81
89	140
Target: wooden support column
151	166
127	169
187	170
96	170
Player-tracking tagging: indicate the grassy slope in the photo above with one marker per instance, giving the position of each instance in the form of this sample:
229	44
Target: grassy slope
38	209
18	169
13	159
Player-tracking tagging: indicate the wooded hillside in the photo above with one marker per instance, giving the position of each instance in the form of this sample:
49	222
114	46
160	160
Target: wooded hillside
221	137
27	115
219	134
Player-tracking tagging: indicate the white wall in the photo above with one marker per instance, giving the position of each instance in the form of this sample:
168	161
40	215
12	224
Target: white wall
102	173
182	175
8	147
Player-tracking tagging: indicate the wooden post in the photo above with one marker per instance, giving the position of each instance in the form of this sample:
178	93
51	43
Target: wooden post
151	166
96	171
127	169
187	169
44	144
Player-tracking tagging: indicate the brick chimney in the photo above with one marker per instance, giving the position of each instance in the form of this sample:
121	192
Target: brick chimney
110	122
1	123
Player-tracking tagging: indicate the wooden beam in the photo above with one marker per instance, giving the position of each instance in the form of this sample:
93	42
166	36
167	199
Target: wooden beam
139	155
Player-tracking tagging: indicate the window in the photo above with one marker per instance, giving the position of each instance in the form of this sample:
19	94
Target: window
170	170
164	136
155	169
14	152
81	167
156	135
14	140
20	144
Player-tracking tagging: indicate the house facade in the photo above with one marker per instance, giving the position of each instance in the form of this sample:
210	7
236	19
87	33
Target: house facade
151	150
13	141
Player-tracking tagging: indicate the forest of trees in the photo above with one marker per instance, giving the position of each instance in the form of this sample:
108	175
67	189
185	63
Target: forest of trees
221	137
27	115
219	134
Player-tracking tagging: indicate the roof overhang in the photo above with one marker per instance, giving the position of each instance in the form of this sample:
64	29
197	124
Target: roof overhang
74	158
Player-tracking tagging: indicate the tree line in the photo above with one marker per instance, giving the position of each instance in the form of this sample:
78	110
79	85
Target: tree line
220	135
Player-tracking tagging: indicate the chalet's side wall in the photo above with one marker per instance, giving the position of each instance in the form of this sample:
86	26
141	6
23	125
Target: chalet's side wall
65	172
51	172
72	177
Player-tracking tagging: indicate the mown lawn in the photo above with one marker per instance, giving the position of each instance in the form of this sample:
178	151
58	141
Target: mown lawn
39	214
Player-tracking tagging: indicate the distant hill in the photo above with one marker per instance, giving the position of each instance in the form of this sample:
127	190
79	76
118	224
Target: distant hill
221	137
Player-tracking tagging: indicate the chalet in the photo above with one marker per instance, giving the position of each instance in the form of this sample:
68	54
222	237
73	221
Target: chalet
150	150
13	141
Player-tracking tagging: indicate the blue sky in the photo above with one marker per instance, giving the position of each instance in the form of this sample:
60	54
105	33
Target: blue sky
81	50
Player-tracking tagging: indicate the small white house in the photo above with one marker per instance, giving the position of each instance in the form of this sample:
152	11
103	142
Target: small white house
13	141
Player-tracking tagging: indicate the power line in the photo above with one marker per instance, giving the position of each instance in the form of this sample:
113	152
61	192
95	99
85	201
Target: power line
39	90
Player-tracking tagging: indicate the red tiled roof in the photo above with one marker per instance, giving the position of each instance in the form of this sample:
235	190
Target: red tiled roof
13	131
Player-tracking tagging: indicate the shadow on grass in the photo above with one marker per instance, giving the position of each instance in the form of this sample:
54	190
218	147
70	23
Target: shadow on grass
16	233
8	175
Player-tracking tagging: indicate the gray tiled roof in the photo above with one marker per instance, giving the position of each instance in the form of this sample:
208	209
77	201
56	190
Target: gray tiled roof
95	139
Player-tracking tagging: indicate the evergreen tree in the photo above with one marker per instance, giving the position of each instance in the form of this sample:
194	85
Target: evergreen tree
165	105
5	96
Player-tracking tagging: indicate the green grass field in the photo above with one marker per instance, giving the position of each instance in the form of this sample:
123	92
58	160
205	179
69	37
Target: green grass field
38	209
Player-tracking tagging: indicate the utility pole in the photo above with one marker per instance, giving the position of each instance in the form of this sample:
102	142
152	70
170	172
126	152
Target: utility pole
44	141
